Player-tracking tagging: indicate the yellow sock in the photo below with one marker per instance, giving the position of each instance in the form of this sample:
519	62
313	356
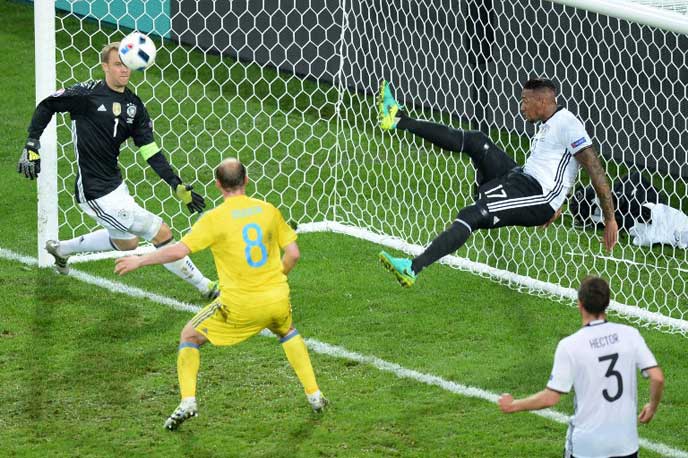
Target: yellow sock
297	354
188	363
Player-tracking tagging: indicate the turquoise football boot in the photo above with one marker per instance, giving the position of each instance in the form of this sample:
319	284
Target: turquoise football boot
400	267
388	108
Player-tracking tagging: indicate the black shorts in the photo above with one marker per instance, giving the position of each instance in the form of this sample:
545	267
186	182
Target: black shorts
514	199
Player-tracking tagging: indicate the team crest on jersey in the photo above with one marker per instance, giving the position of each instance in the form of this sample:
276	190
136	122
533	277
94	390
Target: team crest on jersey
116	109
131	112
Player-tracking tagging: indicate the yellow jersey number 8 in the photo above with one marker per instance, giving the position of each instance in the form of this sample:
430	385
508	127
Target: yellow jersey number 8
255	242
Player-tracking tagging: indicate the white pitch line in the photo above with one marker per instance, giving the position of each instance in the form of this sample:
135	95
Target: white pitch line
334	351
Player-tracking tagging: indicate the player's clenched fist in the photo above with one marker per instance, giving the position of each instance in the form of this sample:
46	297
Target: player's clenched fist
505	401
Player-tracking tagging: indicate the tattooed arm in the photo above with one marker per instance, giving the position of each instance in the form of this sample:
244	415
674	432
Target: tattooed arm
589	160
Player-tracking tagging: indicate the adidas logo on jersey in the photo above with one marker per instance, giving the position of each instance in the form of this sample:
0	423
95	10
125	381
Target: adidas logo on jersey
102	108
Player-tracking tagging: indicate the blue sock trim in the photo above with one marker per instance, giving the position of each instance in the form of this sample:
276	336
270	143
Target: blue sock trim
289	336
188	344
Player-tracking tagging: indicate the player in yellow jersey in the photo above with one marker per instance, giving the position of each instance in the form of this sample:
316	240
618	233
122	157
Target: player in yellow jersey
245	236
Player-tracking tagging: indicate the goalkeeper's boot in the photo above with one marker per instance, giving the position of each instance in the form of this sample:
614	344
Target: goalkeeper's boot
213	291
53	247
187	409
389	111
317	401
400	267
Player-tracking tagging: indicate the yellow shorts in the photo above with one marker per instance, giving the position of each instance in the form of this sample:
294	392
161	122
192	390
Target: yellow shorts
229	325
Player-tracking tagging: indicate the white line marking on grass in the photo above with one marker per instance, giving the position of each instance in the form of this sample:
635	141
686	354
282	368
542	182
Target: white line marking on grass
333	350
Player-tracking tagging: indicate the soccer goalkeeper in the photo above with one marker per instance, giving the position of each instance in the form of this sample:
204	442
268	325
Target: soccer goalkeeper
507	194
104	115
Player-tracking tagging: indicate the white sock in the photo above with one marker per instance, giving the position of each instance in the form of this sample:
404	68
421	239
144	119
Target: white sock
314	396
188	402
94	241
186	270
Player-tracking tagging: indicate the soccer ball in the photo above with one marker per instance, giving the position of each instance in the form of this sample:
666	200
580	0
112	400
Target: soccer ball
137	51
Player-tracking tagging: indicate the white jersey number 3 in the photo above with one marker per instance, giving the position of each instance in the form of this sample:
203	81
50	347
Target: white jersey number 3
613	358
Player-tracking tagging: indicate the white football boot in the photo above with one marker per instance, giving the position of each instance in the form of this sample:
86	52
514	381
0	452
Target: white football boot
317	401
53	247
187	409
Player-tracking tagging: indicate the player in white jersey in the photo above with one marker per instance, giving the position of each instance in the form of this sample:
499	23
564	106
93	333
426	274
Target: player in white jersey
601	362
508	195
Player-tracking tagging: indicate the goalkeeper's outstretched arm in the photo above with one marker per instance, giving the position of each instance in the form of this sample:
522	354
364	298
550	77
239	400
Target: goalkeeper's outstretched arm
158	162
65	100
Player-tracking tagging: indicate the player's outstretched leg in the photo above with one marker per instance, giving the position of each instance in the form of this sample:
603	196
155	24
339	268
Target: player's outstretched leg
297	354
186	409
388	108
400	267
188	364
488	159
53	247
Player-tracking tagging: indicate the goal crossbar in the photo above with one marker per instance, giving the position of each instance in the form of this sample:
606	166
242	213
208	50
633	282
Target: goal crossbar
634	12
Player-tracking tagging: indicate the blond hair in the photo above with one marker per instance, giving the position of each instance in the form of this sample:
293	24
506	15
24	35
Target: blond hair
105	52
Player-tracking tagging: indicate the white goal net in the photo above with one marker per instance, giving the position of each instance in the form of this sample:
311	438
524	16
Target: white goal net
289	88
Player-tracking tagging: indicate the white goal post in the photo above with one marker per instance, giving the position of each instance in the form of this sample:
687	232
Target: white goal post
289	87
44	36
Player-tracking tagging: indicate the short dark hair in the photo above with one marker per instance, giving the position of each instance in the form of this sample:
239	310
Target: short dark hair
594	295
231	174
535	84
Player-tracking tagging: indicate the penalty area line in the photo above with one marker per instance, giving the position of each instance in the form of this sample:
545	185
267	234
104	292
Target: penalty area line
330	350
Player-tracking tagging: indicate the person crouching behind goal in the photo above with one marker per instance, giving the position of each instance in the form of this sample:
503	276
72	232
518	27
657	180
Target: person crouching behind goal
104	115
508	195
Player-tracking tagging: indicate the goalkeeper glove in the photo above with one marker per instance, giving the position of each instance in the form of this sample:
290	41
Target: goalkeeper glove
194	201
30	161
